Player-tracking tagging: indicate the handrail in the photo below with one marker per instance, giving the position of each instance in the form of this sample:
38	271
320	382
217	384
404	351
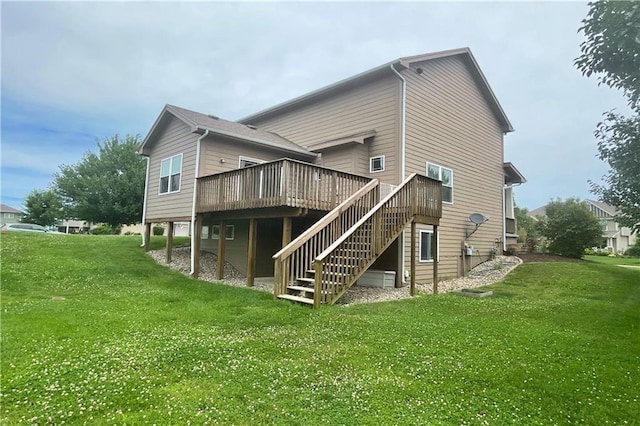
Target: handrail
373	211
353	252
277	183
325	220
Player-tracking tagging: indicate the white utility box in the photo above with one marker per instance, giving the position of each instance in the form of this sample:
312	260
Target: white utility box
378	279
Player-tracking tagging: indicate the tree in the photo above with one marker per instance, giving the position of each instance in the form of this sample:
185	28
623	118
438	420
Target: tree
43	208
570	227
612	47
619	146
528	231
107	187
612	52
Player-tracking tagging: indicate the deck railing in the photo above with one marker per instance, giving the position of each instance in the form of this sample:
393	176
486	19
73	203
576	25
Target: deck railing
342	263
295	259
277	183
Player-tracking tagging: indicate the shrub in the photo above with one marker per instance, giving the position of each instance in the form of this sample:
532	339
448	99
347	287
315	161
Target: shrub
104	230
158	230
570	227
634	250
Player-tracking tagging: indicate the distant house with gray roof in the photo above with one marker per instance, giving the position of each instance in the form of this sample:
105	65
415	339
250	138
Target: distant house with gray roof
9	215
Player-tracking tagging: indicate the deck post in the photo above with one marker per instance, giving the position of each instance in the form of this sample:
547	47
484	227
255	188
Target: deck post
251	255
196	246
286	231
147	235
434	250
169	241
413	258
222	238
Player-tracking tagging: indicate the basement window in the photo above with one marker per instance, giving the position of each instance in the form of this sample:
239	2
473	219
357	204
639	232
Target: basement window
426	246
230	231
376	164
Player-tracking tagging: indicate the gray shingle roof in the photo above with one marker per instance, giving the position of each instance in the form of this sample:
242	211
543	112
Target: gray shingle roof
8	209
236	130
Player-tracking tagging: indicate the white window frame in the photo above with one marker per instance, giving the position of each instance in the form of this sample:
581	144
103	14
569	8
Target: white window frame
440	169
371	160
430	233
170	159
215	232
249	159
204	233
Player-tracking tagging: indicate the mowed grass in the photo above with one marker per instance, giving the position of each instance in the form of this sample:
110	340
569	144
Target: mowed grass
633	261
93	331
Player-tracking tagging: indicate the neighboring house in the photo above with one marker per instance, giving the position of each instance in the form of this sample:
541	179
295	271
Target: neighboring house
615	238
422	134
9	215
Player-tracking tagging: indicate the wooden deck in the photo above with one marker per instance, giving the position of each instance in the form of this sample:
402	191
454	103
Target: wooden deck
281	183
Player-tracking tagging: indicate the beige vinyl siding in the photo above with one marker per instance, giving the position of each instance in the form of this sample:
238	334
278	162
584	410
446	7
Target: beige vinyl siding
213	149
371	106
450	123
347	158
176	138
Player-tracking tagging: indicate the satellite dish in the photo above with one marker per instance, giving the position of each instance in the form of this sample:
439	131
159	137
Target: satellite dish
478	218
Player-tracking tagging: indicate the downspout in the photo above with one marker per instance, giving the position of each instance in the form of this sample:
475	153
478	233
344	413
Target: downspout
402	153
193	205
144	202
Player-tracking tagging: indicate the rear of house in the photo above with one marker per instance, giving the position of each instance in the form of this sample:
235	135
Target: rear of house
432	115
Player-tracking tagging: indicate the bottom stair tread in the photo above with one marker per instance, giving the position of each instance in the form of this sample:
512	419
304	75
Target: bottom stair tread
296	298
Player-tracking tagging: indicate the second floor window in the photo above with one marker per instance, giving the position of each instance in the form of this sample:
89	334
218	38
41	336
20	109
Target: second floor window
376	164
446	176
170	172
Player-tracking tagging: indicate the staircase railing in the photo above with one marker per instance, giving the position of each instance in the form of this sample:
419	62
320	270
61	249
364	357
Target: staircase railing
349	256
294	260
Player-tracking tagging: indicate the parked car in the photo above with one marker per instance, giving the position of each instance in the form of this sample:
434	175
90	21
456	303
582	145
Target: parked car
26	227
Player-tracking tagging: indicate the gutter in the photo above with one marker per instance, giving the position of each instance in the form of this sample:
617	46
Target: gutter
144	202
193	205
402	152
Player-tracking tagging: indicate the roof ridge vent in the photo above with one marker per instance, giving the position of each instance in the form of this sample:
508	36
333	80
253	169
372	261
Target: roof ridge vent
213	116
251	126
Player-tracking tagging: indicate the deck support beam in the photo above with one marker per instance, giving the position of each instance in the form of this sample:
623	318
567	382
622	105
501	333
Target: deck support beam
222	238
413	259
435	259
147	235
251	255
286	231
197	232
169	241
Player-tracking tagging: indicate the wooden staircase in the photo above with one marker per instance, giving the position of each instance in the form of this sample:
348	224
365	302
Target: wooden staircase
321	264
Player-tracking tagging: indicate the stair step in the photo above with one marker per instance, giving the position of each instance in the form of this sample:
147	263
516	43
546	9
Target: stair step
307	280
298	299
300	288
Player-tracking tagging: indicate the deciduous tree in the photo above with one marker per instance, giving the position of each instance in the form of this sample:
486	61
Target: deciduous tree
570	227
107	187
43	208
611	51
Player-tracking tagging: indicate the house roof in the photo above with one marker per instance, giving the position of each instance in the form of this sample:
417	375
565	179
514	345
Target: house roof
201	123
512	175
608	209
385	69
8	209
540	211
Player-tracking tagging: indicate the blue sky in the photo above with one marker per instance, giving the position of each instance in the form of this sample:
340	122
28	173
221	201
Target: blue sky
77	72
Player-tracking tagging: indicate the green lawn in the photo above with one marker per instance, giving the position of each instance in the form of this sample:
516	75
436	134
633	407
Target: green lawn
635	261
135	343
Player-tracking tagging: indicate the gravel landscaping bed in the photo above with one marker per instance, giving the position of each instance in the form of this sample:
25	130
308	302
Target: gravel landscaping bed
484	274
